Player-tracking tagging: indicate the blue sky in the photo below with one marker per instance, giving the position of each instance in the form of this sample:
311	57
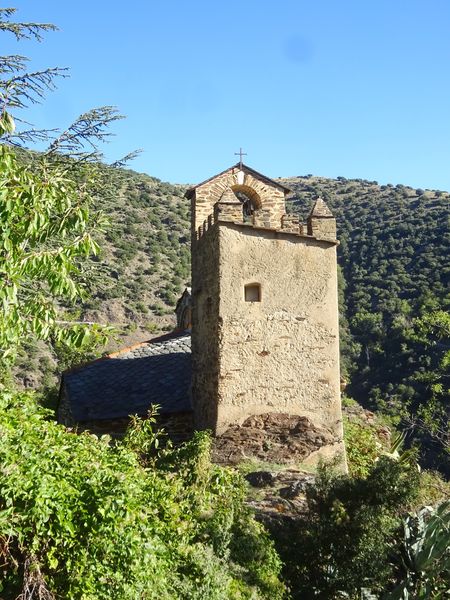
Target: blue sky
354	88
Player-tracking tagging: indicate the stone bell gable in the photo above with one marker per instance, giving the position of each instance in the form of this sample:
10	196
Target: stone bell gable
265	197
265	333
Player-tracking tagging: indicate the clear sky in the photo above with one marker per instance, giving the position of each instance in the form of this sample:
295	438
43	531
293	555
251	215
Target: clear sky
356	88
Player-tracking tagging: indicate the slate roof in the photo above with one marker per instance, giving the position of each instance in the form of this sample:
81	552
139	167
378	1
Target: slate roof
129	381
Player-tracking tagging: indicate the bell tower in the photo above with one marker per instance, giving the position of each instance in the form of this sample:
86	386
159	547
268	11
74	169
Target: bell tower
265	333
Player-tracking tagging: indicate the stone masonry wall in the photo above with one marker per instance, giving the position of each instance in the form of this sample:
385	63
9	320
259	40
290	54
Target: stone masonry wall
269	198
64	413
280	354
323	228
205	308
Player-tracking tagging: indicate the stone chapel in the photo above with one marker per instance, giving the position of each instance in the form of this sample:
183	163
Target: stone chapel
257	338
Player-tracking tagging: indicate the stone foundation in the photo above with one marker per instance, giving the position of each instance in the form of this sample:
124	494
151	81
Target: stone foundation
271	438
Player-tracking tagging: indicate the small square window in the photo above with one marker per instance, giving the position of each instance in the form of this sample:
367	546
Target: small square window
252	292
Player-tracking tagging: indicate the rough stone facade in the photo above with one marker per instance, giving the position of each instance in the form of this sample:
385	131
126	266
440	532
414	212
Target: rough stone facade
275	438
205	324
276	349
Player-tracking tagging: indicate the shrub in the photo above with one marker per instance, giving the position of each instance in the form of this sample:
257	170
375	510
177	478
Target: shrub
362	447
151	326
345	541
433	489
81	518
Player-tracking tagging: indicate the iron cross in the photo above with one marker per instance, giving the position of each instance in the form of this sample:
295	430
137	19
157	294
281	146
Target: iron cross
240	154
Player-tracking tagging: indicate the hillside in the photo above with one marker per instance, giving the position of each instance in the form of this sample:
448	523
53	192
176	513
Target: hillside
145	261
393	240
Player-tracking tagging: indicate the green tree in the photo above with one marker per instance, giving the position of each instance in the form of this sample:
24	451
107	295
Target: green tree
47	226
45	231
429	412
369	328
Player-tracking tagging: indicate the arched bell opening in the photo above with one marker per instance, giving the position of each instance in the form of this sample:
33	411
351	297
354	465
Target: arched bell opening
251	202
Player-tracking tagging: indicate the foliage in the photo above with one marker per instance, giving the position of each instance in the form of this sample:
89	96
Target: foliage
349	348
366	441
138	272
432	332
363	446
425	564
64	182
46	218
433	489
345	541
18	86
45	229
82	518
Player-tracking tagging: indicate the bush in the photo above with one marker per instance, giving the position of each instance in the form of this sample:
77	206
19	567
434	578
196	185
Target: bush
433	489
362	446
345	541
82	518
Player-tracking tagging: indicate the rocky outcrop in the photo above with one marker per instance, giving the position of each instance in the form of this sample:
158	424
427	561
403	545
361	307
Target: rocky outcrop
271	437
278	499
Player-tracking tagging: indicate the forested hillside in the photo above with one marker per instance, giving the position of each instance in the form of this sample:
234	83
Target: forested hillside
145	261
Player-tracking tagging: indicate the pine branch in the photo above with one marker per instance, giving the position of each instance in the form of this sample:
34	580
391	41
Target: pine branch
30	88
121	162
7	12
12	63
29	136
86	132
23	30
78	157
